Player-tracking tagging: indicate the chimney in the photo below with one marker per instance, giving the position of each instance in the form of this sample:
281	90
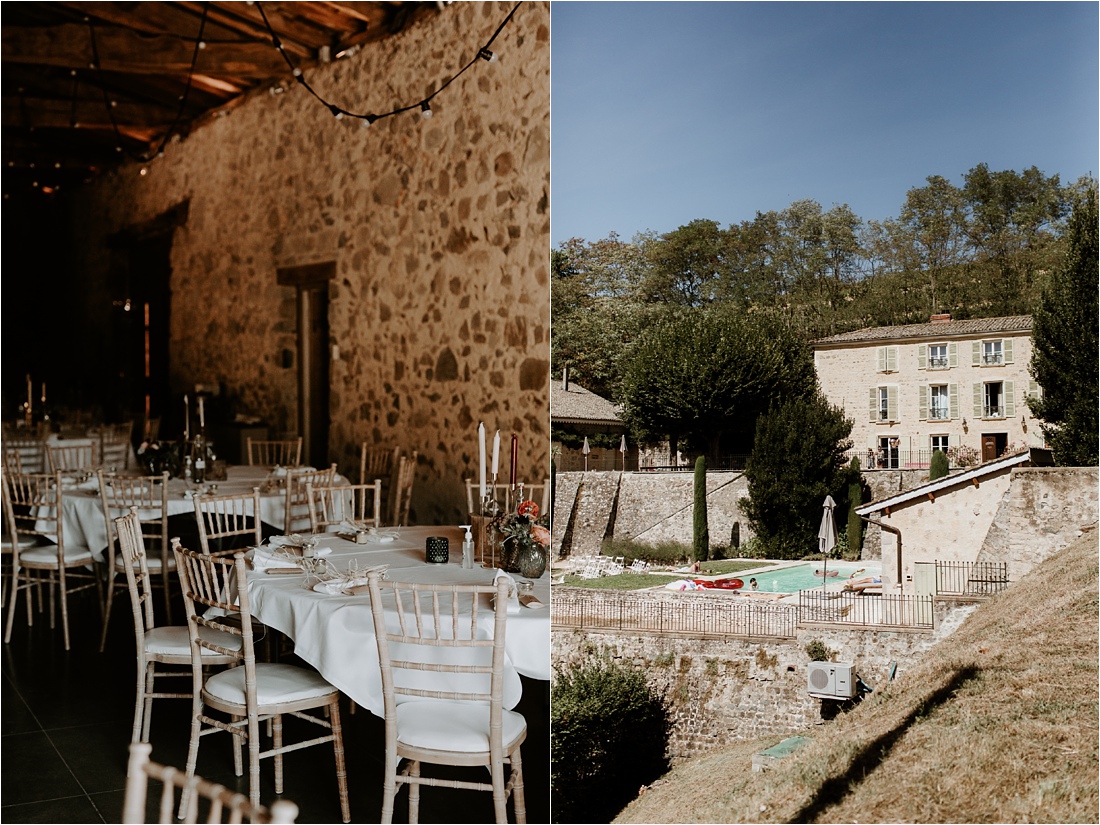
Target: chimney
943	318
565	379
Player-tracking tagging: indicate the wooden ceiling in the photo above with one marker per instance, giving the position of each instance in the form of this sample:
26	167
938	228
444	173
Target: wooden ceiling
89	85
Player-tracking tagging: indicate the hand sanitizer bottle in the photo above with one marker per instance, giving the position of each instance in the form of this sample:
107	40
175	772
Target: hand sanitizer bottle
467	547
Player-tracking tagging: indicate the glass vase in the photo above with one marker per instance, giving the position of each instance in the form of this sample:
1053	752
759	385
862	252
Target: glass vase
531	560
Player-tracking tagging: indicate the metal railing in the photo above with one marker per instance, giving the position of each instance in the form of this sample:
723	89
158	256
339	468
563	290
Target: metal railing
937	363
993	358
865	610
694	617
993	411
964	578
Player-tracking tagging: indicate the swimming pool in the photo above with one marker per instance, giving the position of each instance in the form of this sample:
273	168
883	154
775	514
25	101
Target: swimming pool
801	576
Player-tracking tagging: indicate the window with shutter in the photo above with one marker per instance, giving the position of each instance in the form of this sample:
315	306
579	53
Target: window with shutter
892	403
922	403
978	400
891	359
977	353
1009	399
922	357
952	355
874	404
937	357
1033	389
953	401
882	359
1006	349
938	404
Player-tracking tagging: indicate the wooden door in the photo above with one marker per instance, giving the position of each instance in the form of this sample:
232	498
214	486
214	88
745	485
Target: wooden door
313	373
989	447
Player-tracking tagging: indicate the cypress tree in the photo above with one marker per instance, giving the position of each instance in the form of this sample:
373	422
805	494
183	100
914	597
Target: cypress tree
938	468
855	498
700	533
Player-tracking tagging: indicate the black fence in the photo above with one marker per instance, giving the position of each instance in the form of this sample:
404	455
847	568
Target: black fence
695	617
961	578
816	607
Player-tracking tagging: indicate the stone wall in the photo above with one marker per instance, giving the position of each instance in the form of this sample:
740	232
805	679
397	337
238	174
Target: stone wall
438	228
1045	509
652	507
720	691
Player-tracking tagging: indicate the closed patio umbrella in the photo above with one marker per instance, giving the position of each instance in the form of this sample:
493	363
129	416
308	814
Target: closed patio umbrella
586	450
826	536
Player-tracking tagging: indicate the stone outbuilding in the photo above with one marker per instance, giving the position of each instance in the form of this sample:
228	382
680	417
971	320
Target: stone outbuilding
579	413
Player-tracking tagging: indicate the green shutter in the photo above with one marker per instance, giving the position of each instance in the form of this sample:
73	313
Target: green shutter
952	355
977	351
1006	348
1010	399
874	403
922	357
891	359
978	400
953	401
892	403
1033	389
882	359
922	401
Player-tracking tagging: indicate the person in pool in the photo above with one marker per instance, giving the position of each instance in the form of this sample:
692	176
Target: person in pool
753	584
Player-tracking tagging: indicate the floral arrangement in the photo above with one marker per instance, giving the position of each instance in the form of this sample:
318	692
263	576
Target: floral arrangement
523	525
963	456
157	456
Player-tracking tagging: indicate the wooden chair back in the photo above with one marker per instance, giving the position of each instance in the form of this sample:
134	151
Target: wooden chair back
284	453
220	804
36	500
377	462
116	447
120	494
297	499
225	521
24	454
401	494
506	498
333	504
67	457
132	546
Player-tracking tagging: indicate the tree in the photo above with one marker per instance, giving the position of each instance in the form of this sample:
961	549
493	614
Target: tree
686	265
708	374
935	217
700	530
855	498
797	460
938	467
1064	341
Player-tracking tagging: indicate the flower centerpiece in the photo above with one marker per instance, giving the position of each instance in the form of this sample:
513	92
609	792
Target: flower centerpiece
524	540
157	457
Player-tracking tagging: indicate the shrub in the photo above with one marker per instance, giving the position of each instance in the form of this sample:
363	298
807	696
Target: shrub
608	736
700	531
855	498
665	552
938	467
818	651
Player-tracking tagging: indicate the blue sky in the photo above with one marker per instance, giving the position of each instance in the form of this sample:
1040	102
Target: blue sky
665	112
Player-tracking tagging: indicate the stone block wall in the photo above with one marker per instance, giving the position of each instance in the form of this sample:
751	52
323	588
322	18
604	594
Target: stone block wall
652	507
1044	510
439	230
721	691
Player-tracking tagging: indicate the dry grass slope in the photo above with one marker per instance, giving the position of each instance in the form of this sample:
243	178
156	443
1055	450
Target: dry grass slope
999	723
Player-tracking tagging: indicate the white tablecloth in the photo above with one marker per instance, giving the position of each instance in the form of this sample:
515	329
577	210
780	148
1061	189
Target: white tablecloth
84	523
335	634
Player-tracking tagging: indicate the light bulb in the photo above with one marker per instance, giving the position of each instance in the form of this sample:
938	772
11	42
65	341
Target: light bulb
202	44
425	110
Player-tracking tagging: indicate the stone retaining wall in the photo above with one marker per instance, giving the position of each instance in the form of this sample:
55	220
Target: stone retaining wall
720	691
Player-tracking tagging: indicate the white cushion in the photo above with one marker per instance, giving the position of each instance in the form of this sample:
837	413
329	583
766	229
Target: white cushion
151	562
274	684
174	641
48	555
452	726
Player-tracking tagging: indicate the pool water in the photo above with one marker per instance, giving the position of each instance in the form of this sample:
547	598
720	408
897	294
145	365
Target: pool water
801	576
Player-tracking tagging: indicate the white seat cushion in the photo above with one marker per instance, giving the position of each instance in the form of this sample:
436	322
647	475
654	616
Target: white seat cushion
452	726
152	562
274	684
48	555
174	641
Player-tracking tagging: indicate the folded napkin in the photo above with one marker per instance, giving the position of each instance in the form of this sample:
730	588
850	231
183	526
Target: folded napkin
267	558
353	583
373	533
513	600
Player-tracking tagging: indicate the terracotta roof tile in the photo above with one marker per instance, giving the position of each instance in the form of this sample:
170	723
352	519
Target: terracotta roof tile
945	329
580	405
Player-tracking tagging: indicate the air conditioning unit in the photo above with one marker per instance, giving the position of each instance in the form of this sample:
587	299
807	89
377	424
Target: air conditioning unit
831	680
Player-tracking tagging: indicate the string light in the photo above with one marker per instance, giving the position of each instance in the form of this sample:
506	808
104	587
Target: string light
368	118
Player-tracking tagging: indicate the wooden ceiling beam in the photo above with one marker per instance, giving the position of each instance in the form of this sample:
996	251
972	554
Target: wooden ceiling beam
121	50
297	40
156	18
30	111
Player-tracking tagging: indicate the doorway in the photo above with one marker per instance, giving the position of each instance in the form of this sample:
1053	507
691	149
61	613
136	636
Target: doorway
993	445
311	282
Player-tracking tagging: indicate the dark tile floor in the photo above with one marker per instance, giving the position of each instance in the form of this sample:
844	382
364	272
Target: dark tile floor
66	721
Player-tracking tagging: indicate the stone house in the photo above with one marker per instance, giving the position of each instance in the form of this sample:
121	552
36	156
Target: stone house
581	413
957	386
